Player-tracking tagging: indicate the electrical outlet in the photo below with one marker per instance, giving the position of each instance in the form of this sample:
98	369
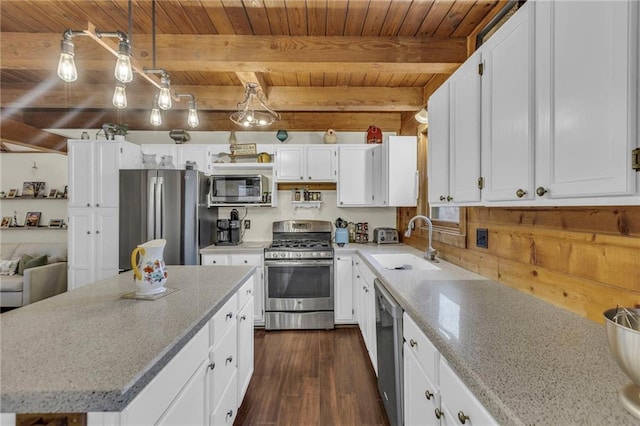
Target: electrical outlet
482	237
247	224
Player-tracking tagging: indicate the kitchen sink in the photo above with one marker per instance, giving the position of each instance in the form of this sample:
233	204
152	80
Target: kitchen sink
404	261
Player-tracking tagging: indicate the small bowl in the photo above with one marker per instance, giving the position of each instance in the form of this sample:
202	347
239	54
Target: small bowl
624	342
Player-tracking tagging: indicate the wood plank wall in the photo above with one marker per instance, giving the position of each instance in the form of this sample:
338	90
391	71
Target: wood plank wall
583	259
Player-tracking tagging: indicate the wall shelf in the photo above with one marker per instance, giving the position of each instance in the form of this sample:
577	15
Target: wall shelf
39	228
32	199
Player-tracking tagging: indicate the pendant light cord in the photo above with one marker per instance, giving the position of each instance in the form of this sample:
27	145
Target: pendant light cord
130	23
153	31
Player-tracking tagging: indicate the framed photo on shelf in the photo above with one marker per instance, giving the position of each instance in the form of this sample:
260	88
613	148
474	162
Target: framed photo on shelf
55	223
53	193
12	193
32	220
33	189
6	221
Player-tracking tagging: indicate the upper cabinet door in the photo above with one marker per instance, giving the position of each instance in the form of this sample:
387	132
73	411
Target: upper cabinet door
321	163
81	173
508	110
464	86
438	145
401	165
356	178
290	163
586	85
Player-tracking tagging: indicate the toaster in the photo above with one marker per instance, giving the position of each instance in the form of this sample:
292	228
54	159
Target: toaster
385	236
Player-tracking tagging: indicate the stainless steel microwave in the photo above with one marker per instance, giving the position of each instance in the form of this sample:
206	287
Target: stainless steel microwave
237	189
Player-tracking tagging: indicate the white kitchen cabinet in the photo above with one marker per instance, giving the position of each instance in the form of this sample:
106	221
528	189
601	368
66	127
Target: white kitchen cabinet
400	177
366	309
458	403
93	244
94	167
464	138
200	154
251	259
188	409
356	174
343	284
586	89
508	110
306	163
438	146
433	392
245	348
421	396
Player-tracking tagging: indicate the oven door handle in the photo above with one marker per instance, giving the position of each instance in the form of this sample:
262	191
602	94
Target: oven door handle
326	262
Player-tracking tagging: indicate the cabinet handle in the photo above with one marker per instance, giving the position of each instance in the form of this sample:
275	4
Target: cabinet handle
413	343
88	205
341	202
88	232
246	261
242	318
449	198
212	365
439	413
462	417
97	232
520	193
97	204
214	262
442	198
301	177
249	291
428	394
230	315
540	191
229	359
230	413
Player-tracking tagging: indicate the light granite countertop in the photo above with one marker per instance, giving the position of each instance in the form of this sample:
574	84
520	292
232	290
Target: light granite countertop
90	350
527	361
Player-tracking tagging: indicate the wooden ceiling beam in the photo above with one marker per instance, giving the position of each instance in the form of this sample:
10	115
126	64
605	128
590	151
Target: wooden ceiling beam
217	98
240	53
212	121
16	132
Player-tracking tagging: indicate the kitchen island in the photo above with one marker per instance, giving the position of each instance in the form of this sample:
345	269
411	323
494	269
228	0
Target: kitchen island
526	361
90	350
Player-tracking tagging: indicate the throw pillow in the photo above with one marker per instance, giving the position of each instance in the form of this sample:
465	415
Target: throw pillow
9	267
36	261
24	259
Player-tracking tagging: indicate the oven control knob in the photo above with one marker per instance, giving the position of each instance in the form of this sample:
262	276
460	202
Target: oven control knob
315	254
299	254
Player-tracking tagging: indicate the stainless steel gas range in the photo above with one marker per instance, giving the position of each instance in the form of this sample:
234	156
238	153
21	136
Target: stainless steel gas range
299	286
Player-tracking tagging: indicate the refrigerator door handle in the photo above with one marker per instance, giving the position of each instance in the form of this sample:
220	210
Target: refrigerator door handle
159	208
151	207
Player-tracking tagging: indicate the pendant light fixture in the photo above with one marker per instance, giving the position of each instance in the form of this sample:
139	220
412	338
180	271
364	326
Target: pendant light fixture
422	116
164	95
120	96
192	117
247	115
66	65
155	119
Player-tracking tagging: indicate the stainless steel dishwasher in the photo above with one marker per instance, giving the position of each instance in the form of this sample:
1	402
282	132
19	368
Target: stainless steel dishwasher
389	344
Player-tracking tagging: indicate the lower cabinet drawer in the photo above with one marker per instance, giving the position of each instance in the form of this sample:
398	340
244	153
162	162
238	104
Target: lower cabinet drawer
458	401
224	361
426	354
226	411
246	292
223	319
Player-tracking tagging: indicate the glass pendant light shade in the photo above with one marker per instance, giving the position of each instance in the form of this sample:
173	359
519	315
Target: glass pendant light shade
192	118
164	97
120	97
66	65
123	71
422	116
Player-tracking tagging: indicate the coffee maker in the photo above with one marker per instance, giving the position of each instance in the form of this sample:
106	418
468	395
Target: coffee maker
229	230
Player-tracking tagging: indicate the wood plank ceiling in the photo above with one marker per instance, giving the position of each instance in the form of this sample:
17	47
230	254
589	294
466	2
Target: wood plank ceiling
322	63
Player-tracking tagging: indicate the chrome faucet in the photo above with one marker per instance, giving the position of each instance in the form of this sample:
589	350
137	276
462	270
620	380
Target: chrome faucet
430	254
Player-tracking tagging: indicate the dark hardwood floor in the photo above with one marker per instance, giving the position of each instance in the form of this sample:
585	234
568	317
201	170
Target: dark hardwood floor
311	377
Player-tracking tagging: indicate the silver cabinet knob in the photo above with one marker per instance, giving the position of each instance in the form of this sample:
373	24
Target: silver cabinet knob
228	360
428	394
449	198
211	366
439	413
540	191
229	315
413	343
246	261
242	318
442	198
462	417
520	193
230	413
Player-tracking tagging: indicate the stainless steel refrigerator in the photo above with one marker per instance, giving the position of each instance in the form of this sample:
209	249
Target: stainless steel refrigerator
169	204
